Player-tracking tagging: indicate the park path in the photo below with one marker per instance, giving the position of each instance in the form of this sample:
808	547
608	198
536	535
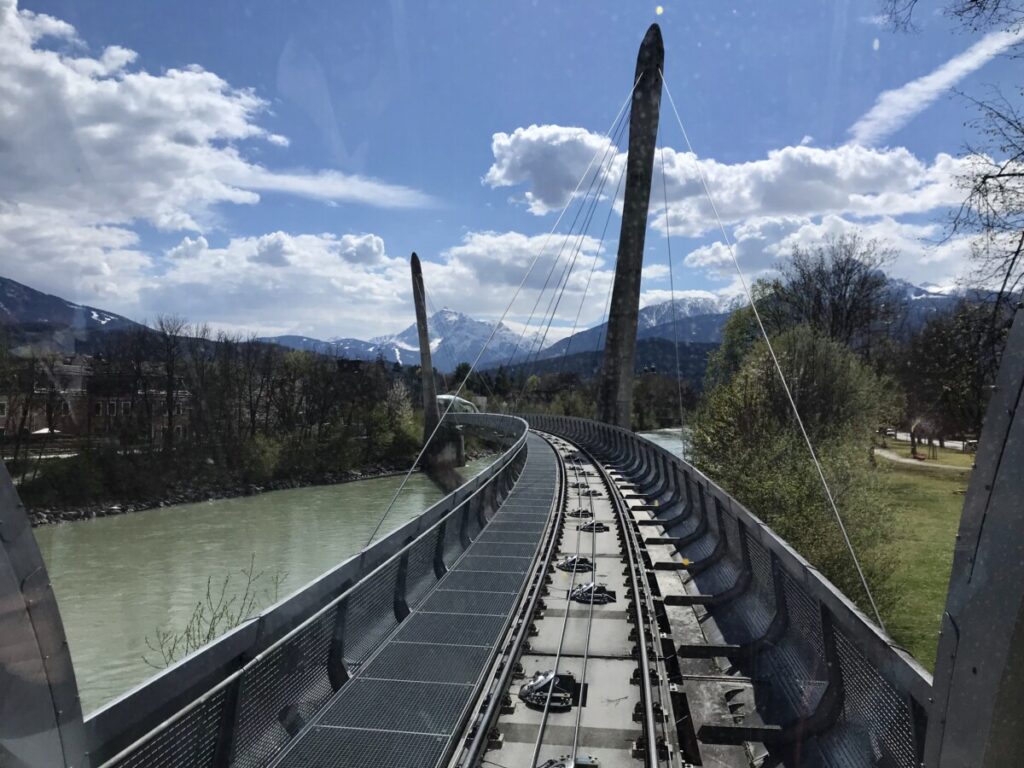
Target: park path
893	456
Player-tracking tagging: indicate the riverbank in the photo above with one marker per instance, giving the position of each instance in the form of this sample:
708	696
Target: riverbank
189	493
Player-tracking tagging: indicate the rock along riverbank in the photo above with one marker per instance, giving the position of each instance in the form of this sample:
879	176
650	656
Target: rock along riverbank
184	493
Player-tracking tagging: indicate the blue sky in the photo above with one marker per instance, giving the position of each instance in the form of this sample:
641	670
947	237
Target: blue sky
269	166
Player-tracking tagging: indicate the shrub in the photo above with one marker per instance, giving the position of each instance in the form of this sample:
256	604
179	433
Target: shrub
746	438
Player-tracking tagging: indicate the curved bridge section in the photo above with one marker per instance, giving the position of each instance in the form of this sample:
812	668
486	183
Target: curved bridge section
375	662
775	663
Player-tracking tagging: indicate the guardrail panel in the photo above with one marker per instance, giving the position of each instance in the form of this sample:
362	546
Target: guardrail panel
883	715
281	691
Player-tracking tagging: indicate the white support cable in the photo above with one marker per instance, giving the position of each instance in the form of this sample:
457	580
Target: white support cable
672	290
494	329
563	281
593	267
565	208
775	360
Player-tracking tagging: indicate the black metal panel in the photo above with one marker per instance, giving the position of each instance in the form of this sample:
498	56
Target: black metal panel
474	603
429	664
496	564
450	629
475	581
359	748
504	550
393	705
369	614
293	676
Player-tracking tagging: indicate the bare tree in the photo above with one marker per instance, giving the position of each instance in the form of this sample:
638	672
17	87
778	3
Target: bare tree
973	14
993	209
838	287
169	328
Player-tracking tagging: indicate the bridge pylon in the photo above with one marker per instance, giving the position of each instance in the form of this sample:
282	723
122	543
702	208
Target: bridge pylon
615	392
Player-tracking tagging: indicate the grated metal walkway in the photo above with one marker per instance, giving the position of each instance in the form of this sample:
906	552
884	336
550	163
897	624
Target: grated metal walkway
407	702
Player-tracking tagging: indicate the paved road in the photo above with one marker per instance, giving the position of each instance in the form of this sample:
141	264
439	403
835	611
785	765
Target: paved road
893	456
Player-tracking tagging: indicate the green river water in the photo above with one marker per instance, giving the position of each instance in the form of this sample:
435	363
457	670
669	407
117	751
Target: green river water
118	579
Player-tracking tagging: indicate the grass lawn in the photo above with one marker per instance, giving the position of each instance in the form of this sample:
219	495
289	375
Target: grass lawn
949	456
926	508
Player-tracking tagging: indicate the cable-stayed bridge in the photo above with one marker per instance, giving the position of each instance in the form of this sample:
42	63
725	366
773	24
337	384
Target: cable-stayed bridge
588	599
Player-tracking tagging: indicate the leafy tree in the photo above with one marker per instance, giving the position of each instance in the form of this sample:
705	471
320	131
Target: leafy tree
746	438
949	368
461	372
657	399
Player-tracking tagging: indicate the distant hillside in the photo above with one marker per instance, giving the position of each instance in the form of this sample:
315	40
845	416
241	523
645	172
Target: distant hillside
652	354
50	323
698	329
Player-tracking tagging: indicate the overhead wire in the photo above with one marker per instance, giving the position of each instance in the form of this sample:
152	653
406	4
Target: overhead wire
672	299
775	361
563	281
593	267
565	208
490	337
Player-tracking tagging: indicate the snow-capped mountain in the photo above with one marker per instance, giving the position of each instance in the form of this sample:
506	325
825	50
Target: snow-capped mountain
699	317
692	304
48	322
455	338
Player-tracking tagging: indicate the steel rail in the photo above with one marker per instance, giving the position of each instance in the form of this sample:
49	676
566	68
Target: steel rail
476	747
590	629
631	546
565	623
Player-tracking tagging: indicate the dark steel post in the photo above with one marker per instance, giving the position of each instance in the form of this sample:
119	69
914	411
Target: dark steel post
431	414
977	718
615	395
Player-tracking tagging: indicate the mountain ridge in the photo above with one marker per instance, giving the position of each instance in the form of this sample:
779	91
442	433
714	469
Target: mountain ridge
45	322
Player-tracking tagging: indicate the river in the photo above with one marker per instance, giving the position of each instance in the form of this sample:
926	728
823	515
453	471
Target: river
118	579
670	440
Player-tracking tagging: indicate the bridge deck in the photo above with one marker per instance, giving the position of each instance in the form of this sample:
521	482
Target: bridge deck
406	703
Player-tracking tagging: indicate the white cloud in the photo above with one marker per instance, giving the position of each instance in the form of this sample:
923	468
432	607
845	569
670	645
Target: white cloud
348	285
655	271
895	108
91	146
501	259
806	181
53	253
759	245
792	181
361	249
332	285
551	159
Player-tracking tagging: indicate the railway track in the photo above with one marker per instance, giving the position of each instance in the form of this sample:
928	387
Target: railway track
582	681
